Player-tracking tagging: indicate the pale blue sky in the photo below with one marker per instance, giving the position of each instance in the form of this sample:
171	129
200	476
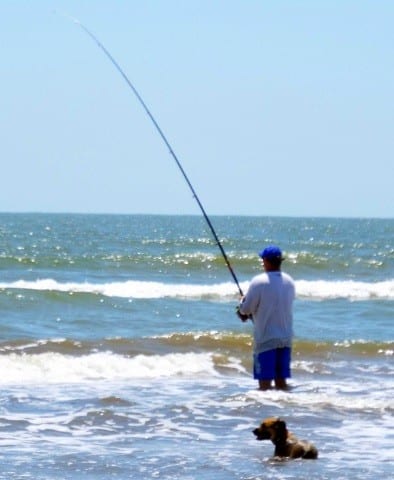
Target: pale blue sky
273	107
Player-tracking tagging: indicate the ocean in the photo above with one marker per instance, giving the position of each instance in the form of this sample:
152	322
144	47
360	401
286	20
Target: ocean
121	355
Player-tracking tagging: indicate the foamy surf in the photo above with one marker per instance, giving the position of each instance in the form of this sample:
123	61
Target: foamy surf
57	368
318	289
341	396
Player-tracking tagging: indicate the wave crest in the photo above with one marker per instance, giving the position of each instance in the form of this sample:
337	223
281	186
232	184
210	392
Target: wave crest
318	289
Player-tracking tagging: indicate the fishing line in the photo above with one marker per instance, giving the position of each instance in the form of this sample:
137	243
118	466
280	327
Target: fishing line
164	138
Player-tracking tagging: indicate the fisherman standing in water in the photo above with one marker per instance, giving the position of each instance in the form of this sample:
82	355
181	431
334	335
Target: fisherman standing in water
269	301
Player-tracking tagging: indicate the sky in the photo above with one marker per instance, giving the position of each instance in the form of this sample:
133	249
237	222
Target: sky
279	108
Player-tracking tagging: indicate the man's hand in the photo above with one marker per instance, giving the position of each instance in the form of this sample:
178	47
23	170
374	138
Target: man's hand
242	316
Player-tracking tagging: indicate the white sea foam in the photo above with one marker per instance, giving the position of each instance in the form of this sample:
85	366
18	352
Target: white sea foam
57	368
318	289
350	289
319	395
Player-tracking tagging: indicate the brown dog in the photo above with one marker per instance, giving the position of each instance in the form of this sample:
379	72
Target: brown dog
286	444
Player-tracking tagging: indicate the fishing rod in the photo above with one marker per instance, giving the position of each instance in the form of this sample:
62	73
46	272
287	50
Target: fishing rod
164	138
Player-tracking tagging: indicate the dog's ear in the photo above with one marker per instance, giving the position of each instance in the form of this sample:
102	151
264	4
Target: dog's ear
280	426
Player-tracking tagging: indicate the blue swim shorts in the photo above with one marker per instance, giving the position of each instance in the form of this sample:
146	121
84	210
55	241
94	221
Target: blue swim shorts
272	364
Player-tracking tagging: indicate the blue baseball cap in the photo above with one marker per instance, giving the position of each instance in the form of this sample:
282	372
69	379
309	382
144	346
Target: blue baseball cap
271	252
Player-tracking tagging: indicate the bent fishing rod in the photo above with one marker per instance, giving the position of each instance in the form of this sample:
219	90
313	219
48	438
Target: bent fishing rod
164	138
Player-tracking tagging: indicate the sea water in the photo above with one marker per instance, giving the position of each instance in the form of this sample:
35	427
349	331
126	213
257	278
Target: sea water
121	355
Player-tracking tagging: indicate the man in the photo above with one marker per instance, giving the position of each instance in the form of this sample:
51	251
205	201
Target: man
269	301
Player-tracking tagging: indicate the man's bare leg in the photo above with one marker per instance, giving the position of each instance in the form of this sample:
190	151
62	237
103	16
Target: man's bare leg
264	384
280	384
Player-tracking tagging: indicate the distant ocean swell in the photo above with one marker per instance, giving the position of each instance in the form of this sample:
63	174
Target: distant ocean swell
317	289
184	254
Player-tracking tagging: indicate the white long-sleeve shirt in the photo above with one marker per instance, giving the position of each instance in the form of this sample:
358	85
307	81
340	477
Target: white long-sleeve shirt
269	300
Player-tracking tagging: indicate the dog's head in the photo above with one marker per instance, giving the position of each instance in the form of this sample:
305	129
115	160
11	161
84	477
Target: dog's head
271	429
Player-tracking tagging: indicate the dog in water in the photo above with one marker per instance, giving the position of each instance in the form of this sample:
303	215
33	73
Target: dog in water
286	444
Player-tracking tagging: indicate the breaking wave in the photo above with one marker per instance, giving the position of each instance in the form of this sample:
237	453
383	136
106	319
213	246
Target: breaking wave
318	289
